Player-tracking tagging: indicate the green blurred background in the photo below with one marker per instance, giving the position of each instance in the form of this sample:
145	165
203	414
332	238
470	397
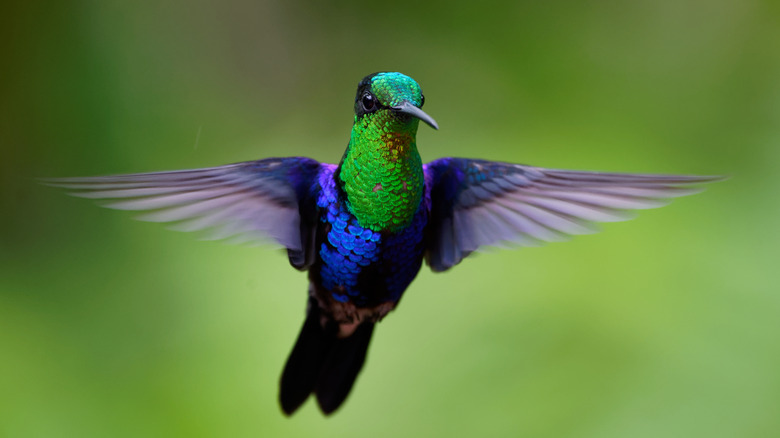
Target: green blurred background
663	326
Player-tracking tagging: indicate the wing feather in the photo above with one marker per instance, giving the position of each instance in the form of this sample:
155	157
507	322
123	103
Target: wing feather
484	203
249	202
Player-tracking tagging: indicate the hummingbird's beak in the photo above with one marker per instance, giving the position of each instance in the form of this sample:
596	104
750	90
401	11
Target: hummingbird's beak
407	107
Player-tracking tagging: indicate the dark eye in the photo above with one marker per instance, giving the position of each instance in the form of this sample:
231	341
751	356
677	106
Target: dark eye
422	100
369	102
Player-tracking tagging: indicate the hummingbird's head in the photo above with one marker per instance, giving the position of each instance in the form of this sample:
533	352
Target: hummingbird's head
393	97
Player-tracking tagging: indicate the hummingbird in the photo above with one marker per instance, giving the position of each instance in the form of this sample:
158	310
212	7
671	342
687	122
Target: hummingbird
362	228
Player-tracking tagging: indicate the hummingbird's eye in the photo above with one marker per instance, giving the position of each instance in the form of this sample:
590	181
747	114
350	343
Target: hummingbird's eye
369	102
422	100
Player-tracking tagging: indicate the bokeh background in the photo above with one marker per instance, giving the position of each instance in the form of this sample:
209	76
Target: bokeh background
663	326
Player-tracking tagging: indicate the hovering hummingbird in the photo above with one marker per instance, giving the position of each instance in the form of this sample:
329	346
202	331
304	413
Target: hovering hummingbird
362	228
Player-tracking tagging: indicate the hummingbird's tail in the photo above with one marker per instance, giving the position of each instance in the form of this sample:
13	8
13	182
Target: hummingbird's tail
323	363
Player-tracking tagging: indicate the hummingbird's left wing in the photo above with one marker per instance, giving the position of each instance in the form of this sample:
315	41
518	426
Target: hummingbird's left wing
244	202
477	203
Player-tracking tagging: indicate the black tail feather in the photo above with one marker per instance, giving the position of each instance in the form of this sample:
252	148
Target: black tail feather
306	360
322	363
344	362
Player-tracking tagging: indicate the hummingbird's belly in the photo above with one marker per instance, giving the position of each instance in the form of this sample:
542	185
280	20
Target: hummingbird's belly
366	268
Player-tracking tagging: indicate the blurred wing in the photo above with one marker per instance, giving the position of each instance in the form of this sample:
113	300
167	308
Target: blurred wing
243	202
476	203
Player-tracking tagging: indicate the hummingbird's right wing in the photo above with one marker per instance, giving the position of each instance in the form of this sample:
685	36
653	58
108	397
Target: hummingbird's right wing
477	203
244	202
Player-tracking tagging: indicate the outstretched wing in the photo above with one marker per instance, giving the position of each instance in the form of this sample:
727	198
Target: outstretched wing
246	202
476	203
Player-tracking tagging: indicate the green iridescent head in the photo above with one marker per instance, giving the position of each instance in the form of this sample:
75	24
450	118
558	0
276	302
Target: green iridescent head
381	171
393	94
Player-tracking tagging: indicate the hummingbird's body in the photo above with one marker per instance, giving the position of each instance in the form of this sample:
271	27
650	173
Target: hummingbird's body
372	205
362	228
357	265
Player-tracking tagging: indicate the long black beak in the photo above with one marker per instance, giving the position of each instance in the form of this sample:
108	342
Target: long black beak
407	107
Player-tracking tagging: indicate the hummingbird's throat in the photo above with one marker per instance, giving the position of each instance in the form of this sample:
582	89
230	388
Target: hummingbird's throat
382	176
